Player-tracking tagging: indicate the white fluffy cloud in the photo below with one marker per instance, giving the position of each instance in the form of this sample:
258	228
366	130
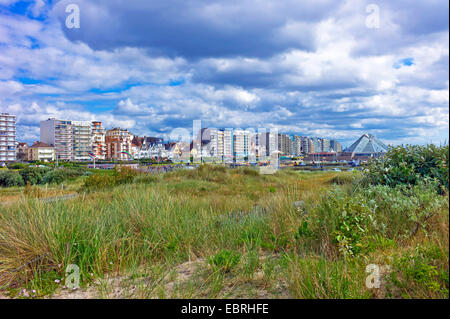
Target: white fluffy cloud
311	68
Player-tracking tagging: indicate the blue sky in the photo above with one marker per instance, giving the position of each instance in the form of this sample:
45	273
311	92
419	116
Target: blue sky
315	68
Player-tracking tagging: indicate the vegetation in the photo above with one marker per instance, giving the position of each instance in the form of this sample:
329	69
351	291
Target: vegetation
10	179
410	164
218	232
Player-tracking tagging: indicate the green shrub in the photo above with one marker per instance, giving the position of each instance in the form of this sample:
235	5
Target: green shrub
17	166
354	219
54	176
225	260
124	175
409	164
10	179
98	182
420	273
58	176
32	175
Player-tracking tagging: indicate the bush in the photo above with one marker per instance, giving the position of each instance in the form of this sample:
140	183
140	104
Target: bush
17	166
32	175
420	273
58	176
410	164
98	182
54	176
225	260
10	179
354	219
124	175
120	176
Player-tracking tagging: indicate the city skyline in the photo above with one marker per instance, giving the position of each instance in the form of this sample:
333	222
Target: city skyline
328	70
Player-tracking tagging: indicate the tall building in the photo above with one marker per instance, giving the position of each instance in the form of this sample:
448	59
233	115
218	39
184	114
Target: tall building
285	145
82	140
326	145
307	145
118	141
335	146
268	143
228	147
211	137
98	140
7	137
316	144
59	134
297	146
241	143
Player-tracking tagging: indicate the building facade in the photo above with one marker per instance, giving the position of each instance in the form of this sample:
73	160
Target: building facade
241	144
98	140
118	143
82	140
326	145
59	134
335	146
22	152
41	152
7	137
285	145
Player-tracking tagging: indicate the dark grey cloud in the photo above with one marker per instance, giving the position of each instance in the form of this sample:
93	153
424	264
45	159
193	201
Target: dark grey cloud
199	28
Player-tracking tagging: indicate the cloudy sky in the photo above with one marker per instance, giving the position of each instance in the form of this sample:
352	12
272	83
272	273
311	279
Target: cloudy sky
334	69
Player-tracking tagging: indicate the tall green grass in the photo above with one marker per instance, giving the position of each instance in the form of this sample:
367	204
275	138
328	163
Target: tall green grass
216	214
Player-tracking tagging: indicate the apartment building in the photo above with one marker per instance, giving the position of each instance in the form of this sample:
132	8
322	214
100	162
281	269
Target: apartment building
22	151
335	146
285	145
297	146
241	143
267	143
228	147
59	134
82	140
98	140
326	145
211	137
41	152
317	144
118	140
307	145
7	137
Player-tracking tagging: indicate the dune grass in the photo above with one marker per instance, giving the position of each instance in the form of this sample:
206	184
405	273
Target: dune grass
250	238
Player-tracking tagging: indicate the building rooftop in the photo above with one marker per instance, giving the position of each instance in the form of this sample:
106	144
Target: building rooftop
40	145
367	144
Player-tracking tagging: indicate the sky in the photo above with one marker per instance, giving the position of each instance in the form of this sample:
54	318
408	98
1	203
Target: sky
335	69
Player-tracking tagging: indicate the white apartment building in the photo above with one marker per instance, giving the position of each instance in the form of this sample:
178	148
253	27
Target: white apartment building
241	143
7	137
82	140
228	146
326	145
58	133
317	144
41	152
